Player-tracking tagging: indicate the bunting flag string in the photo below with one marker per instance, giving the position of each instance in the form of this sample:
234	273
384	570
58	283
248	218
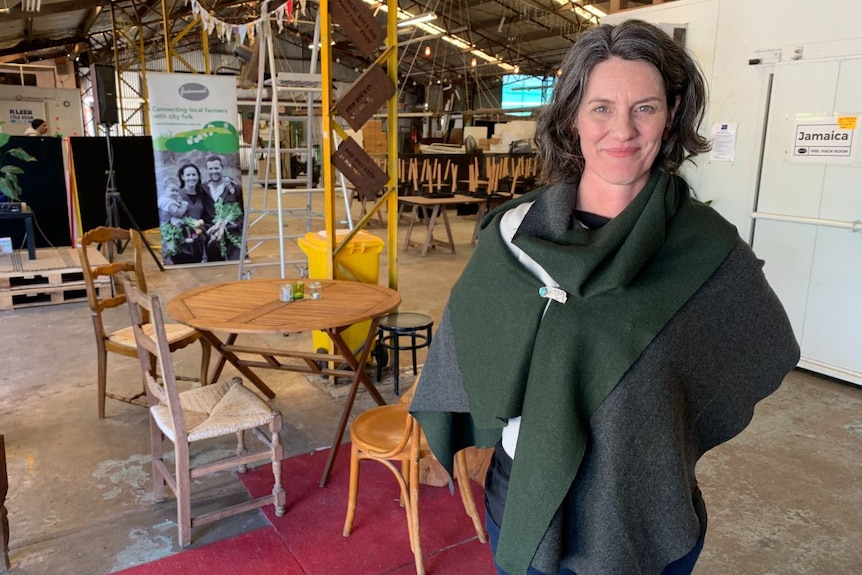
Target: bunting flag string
225	31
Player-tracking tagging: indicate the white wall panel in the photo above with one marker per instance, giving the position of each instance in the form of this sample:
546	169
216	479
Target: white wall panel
724	35
782	58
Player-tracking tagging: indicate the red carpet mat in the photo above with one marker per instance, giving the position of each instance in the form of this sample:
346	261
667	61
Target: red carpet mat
259	552
307	540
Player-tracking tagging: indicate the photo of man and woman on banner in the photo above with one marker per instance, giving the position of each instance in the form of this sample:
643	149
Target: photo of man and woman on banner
200	209
198	173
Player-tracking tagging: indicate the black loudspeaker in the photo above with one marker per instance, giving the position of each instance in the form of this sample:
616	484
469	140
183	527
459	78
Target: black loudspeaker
104	83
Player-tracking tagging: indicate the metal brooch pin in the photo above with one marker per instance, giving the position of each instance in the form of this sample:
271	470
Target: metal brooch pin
553	293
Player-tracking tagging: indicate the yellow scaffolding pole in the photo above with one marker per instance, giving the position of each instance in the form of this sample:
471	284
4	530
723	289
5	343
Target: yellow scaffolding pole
126	126
205	48
392	144
330	128
326	133
169	60
145	96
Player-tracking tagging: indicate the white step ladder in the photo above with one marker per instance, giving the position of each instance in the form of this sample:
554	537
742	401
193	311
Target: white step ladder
289	88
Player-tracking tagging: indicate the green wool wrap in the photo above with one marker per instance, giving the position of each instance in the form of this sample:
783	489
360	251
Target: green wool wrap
554	367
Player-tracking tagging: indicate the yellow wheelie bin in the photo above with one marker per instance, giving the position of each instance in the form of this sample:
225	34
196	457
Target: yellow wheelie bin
358	261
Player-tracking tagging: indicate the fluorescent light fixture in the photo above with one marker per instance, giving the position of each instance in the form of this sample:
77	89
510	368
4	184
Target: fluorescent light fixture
413	20
599	13
445	36
586	11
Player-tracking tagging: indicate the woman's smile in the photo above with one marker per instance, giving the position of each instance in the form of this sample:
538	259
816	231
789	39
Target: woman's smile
620	123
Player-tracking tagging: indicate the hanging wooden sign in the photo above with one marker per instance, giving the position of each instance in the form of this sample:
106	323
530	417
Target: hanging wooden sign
358	167
358	24
364	97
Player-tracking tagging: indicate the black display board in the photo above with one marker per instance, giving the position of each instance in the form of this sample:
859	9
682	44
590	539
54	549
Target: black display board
134	174
43	188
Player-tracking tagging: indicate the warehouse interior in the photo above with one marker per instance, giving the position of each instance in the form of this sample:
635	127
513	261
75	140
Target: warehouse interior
783	496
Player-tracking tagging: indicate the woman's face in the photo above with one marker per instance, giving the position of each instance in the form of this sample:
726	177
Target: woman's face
620	123
190	178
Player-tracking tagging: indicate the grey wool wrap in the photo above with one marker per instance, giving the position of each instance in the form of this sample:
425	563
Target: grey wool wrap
667	339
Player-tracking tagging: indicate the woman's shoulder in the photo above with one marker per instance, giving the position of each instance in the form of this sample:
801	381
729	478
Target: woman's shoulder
526	198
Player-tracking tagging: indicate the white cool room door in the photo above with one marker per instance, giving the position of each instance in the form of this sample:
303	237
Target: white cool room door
808	213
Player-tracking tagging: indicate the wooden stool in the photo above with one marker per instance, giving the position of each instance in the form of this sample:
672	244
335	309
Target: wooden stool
394	326
4	521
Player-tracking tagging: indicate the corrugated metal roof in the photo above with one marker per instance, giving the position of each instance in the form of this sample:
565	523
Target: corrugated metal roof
532	34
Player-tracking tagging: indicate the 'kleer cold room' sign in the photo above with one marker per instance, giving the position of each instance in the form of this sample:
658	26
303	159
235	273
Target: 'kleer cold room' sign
830	139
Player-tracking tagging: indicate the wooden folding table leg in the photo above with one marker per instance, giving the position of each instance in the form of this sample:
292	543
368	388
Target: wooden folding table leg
480	215
414	215
231	339
234	361
359	377
448	229
432	221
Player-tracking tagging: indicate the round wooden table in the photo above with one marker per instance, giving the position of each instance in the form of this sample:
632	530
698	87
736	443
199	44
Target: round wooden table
254	307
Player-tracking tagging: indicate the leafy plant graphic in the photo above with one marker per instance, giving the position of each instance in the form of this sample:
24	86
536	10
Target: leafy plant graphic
9	185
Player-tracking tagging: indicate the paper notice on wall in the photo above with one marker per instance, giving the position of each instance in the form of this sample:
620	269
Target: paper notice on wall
826	139
723	142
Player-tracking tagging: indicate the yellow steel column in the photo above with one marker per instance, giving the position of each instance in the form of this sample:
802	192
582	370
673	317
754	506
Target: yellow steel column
392	144
326	136
169	60
124	41
205	48
176	40
145	95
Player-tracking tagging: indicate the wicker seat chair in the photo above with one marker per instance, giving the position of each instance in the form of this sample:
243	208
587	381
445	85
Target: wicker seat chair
122	341
216	410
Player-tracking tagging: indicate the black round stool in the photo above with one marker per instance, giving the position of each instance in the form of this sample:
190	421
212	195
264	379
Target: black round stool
392	327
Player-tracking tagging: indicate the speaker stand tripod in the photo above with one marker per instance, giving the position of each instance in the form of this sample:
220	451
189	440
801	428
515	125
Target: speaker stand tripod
114	203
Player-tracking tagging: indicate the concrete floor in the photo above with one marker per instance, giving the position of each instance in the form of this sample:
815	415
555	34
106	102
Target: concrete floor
784	497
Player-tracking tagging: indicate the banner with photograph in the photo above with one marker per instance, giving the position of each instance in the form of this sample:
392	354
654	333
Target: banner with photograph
198	174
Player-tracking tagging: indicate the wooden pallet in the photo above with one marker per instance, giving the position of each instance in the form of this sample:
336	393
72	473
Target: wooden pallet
31	297
54	277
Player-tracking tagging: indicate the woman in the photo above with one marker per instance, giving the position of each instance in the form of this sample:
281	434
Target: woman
635	329
200	210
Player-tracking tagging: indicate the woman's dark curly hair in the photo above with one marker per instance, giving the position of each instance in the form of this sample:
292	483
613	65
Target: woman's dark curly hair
559	146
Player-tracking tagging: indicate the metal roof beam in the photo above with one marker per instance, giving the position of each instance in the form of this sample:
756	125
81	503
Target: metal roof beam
15	13
40	44
89	20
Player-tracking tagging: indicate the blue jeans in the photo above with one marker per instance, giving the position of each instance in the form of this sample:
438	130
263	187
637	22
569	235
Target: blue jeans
683	566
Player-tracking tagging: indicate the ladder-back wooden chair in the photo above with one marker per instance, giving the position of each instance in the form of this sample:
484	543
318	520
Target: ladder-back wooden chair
216	410
122	341
387	434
